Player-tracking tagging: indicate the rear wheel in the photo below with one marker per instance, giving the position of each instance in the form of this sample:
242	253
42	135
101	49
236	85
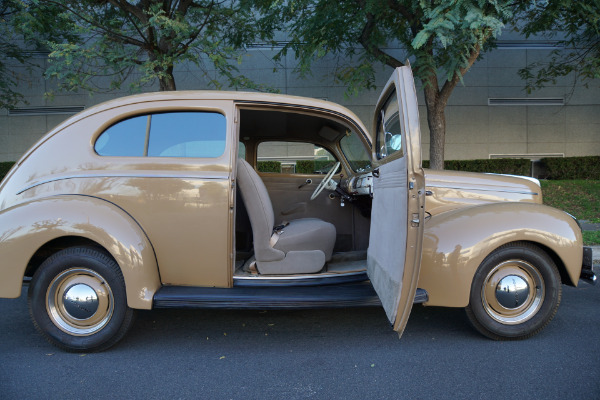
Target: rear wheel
515	293
77	300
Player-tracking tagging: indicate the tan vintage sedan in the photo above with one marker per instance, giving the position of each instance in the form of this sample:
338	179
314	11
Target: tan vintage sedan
257	201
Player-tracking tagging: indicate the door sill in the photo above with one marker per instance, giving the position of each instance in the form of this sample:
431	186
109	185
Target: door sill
359	294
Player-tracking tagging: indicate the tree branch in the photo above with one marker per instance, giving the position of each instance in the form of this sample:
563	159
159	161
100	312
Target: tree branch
451	84
123	38
371	48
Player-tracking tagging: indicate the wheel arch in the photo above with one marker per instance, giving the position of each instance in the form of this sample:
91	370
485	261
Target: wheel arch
457	242
56	245
41	227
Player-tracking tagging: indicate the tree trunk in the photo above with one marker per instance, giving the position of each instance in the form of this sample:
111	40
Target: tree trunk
167	82
436	120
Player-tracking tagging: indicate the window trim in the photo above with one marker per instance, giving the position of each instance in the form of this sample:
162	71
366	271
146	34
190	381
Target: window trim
149	114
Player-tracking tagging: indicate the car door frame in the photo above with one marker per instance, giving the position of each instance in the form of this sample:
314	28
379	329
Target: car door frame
402	83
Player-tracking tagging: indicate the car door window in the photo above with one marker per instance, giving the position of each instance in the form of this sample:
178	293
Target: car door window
294	158
171	134
389	129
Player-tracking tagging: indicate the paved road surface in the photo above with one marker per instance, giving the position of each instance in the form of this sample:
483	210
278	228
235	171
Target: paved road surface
312	354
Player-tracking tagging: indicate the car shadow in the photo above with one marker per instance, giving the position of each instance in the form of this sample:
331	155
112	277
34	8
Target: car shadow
329	325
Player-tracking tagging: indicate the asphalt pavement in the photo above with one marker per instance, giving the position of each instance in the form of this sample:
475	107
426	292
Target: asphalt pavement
309	354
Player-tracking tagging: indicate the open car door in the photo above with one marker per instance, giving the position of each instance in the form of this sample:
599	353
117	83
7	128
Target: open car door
394	255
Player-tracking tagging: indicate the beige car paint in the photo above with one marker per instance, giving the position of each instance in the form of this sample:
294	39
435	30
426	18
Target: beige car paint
173	200
453	189
41	199
36	223
455	243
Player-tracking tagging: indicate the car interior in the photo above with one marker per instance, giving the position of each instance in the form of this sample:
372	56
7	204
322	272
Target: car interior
293	223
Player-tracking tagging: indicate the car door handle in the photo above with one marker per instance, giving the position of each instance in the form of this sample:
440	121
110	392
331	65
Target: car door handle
308	182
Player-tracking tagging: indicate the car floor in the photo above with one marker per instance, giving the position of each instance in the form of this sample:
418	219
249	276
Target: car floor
340	263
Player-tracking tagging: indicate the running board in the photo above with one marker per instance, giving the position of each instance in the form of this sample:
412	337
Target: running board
272	298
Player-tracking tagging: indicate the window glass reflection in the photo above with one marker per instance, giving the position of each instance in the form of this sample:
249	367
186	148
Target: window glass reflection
175	134
187	134
125	138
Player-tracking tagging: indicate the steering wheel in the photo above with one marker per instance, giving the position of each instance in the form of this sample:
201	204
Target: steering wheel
325	181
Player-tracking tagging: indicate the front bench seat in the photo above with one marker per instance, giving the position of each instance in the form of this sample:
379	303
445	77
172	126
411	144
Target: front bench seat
302	247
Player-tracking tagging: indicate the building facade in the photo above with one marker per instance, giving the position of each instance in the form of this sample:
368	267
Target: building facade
489	116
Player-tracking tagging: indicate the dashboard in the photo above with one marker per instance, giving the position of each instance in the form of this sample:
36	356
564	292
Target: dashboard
359	185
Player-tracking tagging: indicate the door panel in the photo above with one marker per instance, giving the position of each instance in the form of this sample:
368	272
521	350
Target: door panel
291	202
394	253
387	246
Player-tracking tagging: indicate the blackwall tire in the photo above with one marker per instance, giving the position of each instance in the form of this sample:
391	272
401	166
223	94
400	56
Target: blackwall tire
515	293
77	300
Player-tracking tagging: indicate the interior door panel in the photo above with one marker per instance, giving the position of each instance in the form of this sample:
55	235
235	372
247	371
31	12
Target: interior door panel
290	196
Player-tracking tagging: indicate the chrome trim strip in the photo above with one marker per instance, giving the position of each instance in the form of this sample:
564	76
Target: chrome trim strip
62	178
481	190
529	178
295	277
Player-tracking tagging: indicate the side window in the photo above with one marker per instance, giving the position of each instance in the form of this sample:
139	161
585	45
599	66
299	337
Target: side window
389	128
294	158
125	138
173	134
242	150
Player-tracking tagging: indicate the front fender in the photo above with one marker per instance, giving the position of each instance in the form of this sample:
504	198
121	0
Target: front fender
456	243
25	228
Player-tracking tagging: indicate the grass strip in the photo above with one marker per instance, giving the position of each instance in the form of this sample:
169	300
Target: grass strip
578	197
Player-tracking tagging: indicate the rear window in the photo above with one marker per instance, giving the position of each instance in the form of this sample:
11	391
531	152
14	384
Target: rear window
172	134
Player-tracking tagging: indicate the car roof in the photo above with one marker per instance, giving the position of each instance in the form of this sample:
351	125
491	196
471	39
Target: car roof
241	97
251	98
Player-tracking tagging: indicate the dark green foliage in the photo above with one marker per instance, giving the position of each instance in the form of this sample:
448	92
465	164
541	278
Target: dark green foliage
10	52
25	27
575	26
269	166
498	166
4	168
313	166
572	167
139	43
305	166
566	168
442	39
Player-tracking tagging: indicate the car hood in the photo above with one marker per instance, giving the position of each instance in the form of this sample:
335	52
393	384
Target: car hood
447	190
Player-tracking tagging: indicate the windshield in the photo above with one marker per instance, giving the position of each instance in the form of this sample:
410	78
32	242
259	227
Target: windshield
355	152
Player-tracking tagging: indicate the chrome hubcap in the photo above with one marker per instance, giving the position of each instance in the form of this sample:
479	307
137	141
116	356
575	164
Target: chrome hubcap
79	302
513	292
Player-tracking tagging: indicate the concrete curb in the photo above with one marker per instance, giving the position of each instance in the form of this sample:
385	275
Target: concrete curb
595	254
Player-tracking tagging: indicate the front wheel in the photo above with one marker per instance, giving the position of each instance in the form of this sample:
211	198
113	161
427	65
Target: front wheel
515	293
77	300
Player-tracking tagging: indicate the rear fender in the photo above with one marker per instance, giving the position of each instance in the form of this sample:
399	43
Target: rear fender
455	243
27	227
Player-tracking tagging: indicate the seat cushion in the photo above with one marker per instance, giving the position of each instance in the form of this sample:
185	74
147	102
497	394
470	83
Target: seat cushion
307	234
